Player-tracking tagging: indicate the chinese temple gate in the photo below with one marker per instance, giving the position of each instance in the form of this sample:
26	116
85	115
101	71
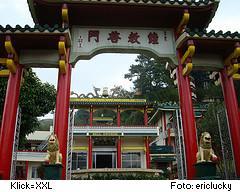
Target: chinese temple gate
172	31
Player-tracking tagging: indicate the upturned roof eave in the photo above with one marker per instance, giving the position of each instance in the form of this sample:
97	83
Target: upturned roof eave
36	30
32	11
191	4
203	35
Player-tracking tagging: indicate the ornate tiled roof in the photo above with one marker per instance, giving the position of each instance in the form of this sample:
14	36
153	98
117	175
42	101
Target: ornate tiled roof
36	28
215	38
212	34
154	2
48	12
174	105
37	37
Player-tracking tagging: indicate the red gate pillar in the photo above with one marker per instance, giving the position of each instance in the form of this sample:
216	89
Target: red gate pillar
118	116
90	140
188	120
61	113
89	152
145	117
119	141
119	153
91	116
147	153
9	122
231	105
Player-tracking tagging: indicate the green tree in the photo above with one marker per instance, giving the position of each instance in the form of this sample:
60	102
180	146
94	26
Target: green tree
36	99
44	124
119	92
132	117
152	79
81	117
205	87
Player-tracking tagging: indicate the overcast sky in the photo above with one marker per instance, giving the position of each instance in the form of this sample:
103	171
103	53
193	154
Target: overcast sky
106	69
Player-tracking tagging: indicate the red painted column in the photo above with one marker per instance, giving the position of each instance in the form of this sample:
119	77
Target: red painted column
89	152
188	120
118	116
145	117
90	141
119	153
7	133
119	141
231	105
26	164
239	113
61	113
91	116
147	153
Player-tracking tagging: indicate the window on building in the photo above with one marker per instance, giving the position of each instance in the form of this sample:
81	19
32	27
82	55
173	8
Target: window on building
35	172
131	160
79	160
21	172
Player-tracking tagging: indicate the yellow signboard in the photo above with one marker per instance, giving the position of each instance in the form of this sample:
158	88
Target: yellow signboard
107	100
105	134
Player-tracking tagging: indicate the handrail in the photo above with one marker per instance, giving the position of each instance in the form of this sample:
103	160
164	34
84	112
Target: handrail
99	125
115	127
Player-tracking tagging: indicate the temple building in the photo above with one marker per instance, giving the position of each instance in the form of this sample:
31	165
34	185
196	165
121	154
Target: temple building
103	143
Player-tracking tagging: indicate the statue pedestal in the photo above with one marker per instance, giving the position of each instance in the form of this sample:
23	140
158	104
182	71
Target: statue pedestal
52	172
206	170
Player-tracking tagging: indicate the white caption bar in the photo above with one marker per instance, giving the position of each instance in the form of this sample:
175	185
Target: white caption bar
120	186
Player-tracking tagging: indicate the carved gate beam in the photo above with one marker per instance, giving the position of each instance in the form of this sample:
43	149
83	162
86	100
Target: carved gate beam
62	54
234	55
236	76
183	24
65	18
4	72
3	61
232	64
188	67
12	55
232	69
186	60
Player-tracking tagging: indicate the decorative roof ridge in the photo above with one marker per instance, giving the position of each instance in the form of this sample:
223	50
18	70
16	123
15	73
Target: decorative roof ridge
169	3
212	33
172	104
37	27
165	2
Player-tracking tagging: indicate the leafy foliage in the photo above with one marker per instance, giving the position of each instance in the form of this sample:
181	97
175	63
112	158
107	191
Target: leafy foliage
205	87
132	117
120	92
36	99
81	117
152	79
44	124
